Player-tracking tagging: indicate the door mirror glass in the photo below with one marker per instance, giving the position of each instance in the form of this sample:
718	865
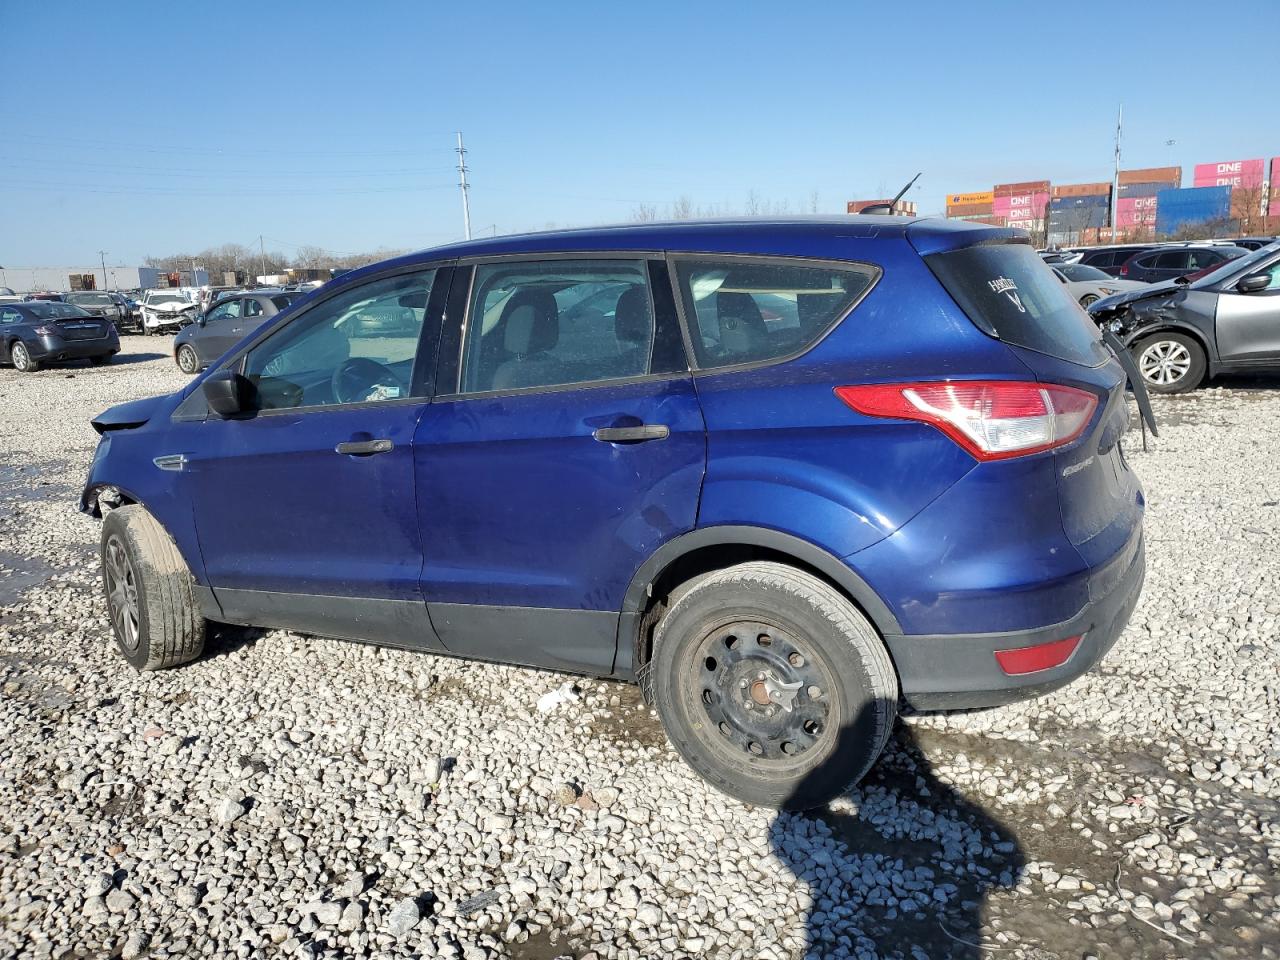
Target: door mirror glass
1254	284
228	393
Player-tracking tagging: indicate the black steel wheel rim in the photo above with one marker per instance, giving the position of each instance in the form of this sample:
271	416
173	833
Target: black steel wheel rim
760	692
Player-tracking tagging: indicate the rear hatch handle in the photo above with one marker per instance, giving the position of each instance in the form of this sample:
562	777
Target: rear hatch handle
1146	416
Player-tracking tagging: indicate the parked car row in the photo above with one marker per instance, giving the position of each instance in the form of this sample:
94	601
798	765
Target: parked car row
1227	320
1151	263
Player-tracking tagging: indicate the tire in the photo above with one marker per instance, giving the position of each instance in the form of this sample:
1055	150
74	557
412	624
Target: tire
724	666
1169	362
1088	300
187	360
20	357
149	591
101	359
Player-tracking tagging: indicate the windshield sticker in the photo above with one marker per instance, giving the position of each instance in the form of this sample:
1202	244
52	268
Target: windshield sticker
1009	289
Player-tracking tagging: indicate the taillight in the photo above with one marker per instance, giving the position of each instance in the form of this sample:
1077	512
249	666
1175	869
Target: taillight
45	330
991	419
1124	269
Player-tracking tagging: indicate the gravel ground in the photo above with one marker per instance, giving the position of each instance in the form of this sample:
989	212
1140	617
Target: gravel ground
290	796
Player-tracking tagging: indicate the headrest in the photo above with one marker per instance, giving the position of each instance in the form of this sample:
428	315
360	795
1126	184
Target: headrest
631	324
530	322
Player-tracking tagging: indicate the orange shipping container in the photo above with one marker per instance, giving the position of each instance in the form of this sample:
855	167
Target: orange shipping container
1081	190
968	199
1171	175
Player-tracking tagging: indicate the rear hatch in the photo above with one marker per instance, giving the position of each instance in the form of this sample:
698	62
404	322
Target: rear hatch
1009	294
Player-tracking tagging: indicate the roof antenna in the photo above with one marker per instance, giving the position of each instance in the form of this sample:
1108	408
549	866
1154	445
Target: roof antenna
890	208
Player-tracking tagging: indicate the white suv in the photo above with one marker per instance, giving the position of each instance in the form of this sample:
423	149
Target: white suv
166	309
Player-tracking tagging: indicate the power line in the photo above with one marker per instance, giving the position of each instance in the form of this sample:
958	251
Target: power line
317	190
204	151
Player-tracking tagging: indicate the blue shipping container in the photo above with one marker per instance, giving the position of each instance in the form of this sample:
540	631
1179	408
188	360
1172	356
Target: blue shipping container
1137	190
1077	218
1176	208
1073	203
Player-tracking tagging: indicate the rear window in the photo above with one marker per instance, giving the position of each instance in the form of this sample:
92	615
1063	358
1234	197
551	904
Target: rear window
1009	293
748	311
280	301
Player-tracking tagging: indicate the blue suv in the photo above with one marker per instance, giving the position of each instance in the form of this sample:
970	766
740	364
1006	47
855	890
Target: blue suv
784	474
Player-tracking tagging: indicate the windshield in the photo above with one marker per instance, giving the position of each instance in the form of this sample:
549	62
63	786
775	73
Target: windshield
1011	294
53	310
1236	263
166	298
96	299
1078	271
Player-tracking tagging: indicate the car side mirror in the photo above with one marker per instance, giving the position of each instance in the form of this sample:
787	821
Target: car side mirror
1255	284
201	319
228	393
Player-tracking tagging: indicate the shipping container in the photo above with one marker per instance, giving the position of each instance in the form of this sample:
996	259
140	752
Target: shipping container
1082	189
1021	205
1192	205
1028	186
1231	173
905	208
1146	189
1069	203
1136	212
969	209
966	199
1077	218
1169	175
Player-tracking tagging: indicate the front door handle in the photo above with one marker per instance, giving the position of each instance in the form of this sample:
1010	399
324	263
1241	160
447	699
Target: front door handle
646	431
364	448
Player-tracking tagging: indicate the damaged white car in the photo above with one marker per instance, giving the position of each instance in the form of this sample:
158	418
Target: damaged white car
166	310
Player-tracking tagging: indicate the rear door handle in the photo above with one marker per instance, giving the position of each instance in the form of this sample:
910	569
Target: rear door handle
364	448
646	431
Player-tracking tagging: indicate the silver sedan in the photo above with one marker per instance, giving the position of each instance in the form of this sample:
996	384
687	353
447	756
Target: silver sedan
1089	284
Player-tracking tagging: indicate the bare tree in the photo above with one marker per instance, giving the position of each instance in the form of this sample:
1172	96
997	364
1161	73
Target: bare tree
682	208
813	201
753	203
644	213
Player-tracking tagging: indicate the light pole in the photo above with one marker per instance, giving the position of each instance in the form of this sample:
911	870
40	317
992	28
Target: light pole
102	255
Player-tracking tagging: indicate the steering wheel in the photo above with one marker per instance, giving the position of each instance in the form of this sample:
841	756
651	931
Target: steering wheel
359	379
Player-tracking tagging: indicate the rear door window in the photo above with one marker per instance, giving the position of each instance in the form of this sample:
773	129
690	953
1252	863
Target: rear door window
1008	293
1172	260
749	311
558	322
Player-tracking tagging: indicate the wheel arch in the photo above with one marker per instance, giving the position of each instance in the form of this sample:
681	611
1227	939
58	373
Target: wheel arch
714	548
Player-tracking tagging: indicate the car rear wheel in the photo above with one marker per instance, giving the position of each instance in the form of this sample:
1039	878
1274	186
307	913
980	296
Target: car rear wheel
149	590
21	358
773	686
1170	362
1088	299
188	362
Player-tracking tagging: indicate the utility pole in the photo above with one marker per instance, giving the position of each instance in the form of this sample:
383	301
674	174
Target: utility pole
462	185
1115	183
102	255
262	256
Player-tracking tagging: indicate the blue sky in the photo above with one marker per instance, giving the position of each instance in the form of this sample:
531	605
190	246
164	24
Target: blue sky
158	128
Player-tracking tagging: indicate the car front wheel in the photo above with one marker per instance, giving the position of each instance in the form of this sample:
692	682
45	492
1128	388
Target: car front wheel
149	591
1170	362
773	686
1088	300
188	362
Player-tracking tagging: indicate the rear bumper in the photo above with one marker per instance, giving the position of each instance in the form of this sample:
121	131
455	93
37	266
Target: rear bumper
55	349
959	671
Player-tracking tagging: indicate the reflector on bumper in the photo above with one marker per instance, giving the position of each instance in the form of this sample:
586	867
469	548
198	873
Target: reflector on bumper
1042	656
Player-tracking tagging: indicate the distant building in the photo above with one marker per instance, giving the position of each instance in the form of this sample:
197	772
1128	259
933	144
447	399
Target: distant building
905	208
66	279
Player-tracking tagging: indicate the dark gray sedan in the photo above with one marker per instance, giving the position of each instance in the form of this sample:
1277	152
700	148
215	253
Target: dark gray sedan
39	332
228	320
